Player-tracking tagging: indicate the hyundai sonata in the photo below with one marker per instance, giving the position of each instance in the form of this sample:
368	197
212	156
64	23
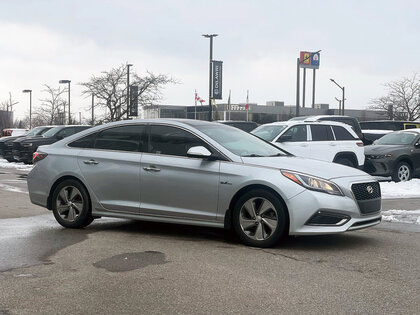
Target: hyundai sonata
199	173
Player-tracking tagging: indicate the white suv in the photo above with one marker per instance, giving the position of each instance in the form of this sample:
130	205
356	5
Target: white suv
322	140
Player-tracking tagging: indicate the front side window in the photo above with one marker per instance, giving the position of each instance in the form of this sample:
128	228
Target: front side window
294	134
130	138
321	133
65	132
268	132
173	141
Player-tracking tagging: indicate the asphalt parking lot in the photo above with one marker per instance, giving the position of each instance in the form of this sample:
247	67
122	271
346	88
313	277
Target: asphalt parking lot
124	266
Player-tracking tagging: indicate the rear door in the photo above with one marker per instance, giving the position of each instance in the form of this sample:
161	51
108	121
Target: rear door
112	167
295	140
323	145
173	184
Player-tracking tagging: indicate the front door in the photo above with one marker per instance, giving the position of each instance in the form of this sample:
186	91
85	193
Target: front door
173	184
294	140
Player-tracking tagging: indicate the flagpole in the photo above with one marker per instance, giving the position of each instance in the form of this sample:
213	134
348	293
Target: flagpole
247	105
195	104
229	105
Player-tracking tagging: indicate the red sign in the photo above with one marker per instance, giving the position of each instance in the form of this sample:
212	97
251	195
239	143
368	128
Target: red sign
305	58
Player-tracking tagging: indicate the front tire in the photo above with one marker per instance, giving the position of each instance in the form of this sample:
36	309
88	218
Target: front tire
402	172
259	218
71	204
346	162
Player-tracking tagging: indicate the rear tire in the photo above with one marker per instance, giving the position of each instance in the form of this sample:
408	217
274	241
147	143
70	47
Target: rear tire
402	172
259	218
346	162
71	204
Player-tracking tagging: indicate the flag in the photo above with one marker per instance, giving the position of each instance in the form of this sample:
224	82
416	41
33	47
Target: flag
247	100
214	102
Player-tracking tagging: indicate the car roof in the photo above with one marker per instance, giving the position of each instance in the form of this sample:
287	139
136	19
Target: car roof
316	122
392	121
317	117
416	130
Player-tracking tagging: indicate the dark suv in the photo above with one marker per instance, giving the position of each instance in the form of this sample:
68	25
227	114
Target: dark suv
23	150
6	144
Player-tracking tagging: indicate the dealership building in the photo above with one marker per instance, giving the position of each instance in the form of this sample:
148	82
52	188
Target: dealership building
270	112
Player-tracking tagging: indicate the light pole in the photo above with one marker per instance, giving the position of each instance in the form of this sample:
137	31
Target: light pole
128	88
67	82
342	98
93	105
210	72
30	106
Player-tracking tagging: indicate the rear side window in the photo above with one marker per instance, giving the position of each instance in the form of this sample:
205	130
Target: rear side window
173	141
342	134
85	142
125	138
321	133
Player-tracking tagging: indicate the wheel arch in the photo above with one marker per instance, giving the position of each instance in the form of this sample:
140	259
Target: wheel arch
406	159
242	191
58	182
346	154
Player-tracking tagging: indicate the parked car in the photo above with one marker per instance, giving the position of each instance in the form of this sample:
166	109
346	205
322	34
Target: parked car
23	150
351	121
13	151
8	132
323	140
243	125
396	154
199	173
392	125
6	143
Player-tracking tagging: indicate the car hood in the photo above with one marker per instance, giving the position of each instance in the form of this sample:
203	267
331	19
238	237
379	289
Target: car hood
40	141
316	168
383	149
28	138
4	139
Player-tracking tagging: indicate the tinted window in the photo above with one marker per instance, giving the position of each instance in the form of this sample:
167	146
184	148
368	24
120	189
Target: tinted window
321	133
172	141
342	134
124	138
410	126
378	125
85	142
295	134
66	132
396	138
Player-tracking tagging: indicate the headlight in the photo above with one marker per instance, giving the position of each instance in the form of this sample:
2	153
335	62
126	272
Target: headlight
313	183
383	156
27	144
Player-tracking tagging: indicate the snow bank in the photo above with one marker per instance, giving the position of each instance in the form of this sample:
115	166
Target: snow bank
16	166
402	216
410	189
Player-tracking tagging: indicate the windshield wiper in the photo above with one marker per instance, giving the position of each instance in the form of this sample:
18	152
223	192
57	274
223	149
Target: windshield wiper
252	155
278	154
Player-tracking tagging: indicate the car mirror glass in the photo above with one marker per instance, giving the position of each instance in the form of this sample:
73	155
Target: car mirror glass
198	152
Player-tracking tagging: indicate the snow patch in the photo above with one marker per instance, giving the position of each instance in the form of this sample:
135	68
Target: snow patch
402	216
17	166
409	189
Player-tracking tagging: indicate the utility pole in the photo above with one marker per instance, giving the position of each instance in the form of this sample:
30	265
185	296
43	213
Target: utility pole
297	87
313	90
128	89
210	73
93	115
30	106
304	87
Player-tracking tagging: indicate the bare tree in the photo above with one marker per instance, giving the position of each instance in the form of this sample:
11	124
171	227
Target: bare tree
52	106
402	100
110	90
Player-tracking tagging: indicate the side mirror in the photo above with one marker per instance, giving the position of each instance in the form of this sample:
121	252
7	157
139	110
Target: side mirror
198	152
284	138
417	145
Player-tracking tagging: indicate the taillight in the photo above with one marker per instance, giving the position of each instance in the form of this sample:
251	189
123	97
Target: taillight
360	144
38	156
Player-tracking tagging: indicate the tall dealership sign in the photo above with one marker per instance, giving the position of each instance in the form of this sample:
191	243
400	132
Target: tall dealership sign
134	101
306	60
217	80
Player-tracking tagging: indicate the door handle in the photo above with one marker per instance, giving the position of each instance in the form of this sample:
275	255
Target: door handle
151	169
90	162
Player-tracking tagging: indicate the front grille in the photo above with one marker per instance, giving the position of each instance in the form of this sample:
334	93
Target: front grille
366	191
368	196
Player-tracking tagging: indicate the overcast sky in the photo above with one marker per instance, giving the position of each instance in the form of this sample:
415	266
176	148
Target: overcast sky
364	44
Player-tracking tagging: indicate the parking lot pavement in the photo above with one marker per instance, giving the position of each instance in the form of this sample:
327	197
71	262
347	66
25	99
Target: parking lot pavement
124	266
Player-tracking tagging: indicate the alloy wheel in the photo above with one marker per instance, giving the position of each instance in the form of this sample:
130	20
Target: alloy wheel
403	173
258	218
69	203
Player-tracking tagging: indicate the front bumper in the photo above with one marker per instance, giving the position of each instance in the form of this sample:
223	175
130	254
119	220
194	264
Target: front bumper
378	167
312	213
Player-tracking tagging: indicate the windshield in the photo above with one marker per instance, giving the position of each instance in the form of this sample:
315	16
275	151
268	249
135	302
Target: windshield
240	142
397	138
52	132
268	132
35	131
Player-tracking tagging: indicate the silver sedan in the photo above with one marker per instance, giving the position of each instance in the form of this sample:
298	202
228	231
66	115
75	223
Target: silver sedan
199	173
